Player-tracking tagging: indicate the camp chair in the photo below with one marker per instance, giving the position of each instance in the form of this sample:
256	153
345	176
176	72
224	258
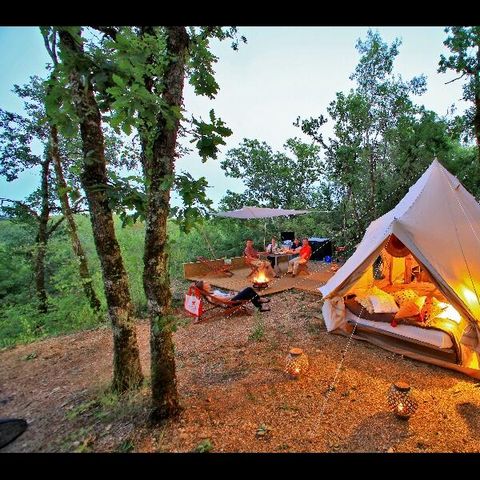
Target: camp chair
254	268
303	267
215	306
215	269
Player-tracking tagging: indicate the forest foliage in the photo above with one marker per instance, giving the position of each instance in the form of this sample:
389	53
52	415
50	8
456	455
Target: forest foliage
383	140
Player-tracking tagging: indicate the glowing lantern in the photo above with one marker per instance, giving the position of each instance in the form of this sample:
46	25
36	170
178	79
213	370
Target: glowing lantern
400	400
296	362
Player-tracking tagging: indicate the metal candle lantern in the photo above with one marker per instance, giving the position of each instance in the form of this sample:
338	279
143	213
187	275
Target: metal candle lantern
401	401
296	362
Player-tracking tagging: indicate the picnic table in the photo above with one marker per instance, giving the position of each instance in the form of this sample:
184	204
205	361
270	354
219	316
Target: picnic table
276	256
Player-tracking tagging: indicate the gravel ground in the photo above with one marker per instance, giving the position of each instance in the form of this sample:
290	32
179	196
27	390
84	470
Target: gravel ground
235	394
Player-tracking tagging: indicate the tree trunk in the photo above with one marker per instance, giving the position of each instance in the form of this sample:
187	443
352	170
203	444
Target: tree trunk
72	226
42	238
127	372
156	279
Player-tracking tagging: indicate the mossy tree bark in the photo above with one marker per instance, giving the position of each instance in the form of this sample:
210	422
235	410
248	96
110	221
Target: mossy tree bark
42	238
127	373
159	167
72	226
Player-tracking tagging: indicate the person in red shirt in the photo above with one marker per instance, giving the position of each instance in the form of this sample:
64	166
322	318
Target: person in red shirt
305	253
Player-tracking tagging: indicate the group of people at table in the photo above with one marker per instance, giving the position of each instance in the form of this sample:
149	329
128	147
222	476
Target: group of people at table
301	252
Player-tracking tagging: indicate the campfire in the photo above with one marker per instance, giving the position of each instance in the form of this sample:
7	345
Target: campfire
260	280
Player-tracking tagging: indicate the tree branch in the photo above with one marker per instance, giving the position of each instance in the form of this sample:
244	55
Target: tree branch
76	206
55	226
18	202
455	79
51	50
108	31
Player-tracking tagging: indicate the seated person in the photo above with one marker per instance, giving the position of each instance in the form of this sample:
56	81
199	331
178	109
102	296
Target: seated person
304	254
253	258
295	248
246	294
273	247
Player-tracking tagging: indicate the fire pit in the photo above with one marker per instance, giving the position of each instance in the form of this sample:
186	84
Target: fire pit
260	280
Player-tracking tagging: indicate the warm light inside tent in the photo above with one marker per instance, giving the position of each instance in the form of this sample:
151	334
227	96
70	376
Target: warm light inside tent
469	295
472	362
449	312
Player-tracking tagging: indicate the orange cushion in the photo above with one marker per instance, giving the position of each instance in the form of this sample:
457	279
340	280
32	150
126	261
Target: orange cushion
407	309
410	312
403	296
431	309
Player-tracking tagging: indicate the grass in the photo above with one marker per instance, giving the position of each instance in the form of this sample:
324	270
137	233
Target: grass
79	441
204	446
30	356
79	410
250	396
107	405
159	439
313	328
258	332
126	446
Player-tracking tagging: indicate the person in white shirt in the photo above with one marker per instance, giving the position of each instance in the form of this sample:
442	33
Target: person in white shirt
273	247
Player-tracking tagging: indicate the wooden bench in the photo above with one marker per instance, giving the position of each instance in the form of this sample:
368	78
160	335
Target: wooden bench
192	270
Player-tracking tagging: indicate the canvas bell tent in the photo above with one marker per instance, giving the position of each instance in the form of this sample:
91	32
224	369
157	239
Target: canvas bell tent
425	255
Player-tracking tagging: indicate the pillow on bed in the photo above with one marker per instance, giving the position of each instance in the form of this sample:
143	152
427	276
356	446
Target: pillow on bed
353	306
382	301
361	296
407	310
403	296
365	302
410	313
431	309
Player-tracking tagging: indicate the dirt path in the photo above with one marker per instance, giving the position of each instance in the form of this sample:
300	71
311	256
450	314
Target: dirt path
235	395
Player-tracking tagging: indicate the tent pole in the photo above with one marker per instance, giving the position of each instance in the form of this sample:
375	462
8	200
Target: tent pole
265	237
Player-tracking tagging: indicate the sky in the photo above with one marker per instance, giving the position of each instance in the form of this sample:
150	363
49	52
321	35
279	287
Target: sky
279	74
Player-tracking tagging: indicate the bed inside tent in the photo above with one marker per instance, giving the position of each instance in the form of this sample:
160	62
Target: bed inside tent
396	303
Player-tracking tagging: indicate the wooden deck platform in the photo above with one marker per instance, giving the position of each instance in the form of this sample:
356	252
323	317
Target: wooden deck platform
319	274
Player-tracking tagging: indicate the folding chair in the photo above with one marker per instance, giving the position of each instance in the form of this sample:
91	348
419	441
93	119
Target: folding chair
303	267
214	306
215	269
254	268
